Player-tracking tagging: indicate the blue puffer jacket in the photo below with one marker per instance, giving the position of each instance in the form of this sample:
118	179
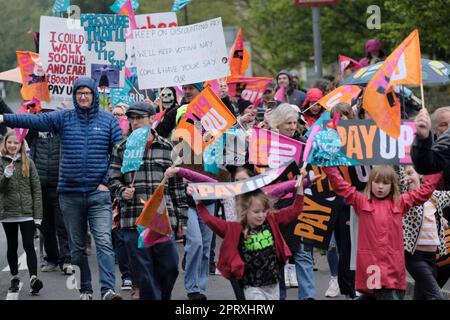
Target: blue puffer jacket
87	139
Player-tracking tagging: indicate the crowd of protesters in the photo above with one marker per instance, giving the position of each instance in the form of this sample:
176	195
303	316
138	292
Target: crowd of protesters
66	177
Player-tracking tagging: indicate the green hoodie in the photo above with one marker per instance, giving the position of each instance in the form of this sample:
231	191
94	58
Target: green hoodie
19	196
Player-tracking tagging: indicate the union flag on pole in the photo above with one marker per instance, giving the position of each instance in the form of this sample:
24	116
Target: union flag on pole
34	81
403	66
155	216
239	58
206	119
345	94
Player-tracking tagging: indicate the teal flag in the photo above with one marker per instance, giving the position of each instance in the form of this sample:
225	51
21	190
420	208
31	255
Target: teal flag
134	150
326	150
122	94
325	116
213	156
60	6
178	4
118	4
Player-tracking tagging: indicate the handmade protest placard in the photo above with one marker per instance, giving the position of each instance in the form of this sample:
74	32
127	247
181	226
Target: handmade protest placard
61	49
105	48
222	190
206	119
149	21
182	55
268	148
364	142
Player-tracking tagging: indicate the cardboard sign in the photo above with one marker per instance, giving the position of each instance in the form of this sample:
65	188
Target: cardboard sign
149	21
268	148
222	190
105	48
182	55
364	142
61	50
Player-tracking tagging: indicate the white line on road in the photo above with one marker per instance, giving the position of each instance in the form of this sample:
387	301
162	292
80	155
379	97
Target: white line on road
14	295
22	263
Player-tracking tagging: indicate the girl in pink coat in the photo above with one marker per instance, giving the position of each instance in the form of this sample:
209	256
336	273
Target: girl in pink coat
380	265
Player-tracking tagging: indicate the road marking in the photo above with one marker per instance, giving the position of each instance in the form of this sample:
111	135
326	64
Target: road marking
22	263
14	295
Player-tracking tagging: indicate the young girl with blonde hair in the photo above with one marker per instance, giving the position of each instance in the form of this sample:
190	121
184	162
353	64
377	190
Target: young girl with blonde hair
20	206
253	248
380	266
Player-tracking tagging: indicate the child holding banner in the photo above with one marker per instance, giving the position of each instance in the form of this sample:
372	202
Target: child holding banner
380	268
21	206
253	248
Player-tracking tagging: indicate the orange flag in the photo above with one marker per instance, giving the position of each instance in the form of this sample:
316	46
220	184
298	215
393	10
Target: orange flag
340	94
239	58
155	215
403	66
206	119
34	81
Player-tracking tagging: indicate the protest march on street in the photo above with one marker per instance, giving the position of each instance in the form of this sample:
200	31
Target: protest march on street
149	156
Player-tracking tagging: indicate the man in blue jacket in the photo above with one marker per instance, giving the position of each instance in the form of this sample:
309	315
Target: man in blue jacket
88	136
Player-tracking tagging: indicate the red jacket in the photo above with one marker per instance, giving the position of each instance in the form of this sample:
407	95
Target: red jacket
230	263
380	232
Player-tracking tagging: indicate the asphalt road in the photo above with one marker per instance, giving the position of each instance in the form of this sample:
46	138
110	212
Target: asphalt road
61	287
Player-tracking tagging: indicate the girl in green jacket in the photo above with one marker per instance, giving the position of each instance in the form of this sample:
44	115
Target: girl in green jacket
20	206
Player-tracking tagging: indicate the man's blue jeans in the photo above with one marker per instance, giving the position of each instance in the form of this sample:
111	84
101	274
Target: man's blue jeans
154	270
198	244
305	273
121	254
94	207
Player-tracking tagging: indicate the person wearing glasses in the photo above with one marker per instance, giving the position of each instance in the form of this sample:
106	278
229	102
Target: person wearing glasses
88	136
154	270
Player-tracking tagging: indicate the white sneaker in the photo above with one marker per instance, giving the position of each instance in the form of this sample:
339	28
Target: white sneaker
333	289
85	296
292	275
67	269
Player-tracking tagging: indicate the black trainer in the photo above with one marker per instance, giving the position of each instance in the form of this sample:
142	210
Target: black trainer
35	285
15	282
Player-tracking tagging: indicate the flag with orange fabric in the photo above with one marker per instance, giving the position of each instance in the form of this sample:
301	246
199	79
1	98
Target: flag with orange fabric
206	119
345	94
155	216
34	81
239	58
403	66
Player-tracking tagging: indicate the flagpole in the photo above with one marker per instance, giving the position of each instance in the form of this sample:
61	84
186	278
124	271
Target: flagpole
422	95
160	100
